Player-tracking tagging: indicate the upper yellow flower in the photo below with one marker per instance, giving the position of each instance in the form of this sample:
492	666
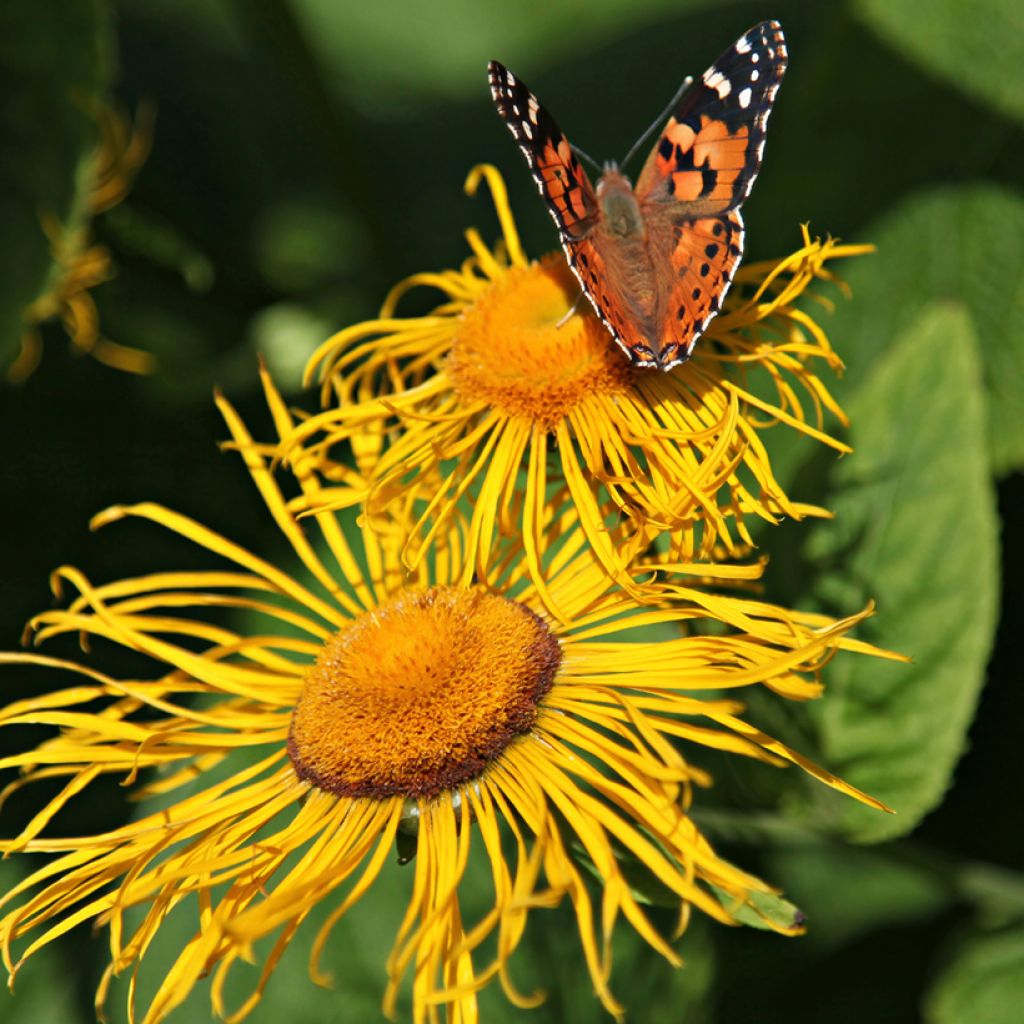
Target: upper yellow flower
366	700
475	401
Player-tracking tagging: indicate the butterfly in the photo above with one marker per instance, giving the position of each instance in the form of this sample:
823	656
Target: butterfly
656	260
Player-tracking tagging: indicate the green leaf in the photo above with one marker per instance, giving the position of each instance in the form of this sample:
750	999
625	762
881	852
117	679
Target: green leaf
963	244
984	982
849	891
394	50
354	958
44	992
54	68
976	46
651	990
766	911
916	530
996	892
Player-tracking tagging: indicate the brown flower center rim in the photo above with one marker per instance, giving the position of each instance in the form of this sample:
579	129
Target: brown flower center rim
517	350
419	695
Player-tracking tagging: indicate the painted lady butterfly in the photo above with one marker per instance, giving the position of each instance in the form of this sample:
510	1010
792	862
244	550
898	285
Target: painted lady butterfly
657	260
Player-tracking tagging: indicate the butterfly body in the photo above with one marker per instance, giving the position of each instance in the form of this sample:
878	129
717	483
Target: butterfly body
621	232
656	260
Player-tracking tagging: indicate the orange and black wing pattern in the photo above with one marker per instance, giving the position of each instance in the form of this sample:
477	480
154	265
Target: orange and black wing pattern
562	182
705	255
710	150
659	283
700	172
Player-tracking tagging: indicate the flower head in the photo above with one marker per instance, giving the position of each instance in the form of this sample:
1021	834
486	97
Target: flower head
373	700
476	400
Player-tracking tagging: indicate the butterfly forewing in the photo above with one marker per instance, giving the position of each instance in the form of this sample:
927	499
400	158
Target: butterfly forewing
560	177
710	151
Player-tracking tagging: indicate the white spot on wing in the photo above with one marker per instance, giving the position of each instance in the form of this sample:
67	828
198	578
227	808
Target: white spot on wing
743	45
744	97
714	79
755	75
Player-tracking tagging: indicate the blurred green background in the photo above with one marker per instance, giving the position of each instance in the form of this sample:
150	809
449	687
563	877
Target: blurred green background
308	154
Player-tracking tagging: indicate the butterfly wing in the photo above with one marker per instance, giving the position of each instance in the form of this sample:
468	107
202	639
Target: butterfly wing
704	256
697	176
560	177
571	200
599	265
710	150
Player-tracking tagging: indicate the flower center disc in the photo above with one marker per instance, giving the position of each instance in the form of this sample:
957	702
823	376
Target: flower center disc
511	353
419	695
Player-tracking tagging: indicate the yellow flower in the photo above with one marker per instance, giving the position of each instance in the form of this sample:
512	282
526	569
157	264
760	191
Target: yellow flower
369	701
475	401
79	264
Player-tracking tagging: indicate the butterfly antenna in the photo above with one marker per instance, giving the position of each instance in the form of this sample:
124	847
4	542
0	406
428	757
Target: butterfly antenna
687	82
570	312
590	160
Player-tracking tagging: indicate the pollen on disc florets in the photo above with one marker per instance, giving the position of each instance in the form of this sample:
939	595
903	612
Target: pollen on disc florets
512	350
420	694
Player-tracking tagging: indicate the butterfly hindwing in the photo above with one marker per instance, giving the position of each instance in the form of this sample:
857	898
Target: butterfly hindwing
710	151
705	255
599	273
563	183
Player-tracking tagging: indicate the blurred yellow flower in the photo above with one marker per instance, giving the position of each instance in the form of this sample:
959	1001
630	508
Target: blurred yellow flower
366	699
503	392
79	264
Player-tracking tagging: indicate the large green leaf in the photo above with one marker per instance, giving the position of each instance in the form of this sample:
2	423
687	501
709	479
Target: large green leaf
965	244
54	67
915	529
976	45
984	982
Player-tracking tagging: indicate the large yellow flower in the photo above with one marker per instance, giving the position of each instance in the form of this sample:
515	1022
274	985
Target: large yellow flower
473	402
364	700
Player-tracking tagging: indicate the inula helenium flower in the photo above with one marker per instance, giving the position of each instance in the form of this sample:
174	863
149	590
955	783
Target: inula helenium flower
502	392
350	701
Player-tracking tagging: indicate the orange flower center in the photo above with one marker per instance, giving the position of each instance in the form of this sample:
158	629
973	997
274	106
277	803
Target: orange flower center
419	695
513	351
